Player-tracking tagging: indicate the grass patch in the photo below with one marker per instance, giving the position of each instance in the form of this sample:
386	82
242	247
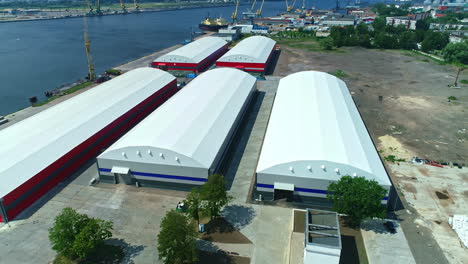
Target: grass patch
309	44
68	91
339	73
114	72
105	254
393	158
464	81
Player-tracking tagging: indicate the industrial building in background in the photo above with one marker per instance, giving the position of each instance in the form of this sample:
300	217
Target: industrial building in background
195	56
42	150
315	136
183	141
252	54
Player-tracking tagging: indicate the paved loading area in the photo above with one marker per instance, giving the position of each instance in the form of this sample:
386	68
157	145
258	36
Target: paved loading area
135	212
432	194
383	247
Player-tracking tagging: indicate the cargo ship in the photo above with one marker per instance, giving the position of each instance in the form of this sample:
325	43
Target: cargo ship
213	24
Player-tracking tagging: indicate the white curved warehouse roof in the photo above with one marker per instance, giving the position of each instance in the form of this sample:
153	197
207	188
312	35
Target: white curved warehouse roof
31	145
255	49
314	122
192	125
195	51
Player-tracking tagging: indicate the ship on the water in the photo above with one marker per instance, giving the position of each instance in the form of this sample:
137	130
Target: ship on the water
213	24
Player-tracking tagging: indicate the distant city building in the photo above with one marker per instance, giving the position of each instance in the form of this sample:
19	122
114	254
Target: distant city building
408	21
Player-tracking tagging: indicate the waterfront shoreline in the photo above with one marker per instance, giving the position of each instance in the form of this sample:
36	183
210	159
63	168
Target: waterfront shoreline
113	14
142	61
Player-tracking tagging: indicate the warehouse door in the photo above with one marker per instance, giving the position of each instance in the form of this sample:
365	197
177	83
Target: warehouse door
284	191
122	175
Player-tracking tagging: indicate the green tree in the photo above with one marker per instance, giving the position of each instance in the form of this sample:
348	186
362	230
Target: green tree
434	41
408	40
91	237
177	239
457	53
423	24
215	194
379	24
386	41
365	41
338	35
362	28
357	197
326	43
77	235
194	204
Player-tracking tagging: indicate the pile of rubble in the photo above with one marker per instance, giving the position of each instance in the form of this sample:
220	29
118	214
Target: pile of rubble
459	223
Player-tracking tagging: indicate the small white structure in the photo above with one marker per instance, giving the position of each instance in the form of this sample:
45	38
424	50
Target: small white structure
459	224
315	136
322	237
184	140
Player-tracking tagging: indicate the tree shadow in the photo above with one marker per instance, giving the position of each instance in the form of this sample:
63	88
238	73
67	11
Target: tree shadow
377	226
239	215
349	251
130	251
210	253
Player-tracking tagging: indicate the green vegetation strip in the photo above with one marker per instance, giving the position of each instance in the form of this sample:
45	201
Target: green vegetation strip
68	91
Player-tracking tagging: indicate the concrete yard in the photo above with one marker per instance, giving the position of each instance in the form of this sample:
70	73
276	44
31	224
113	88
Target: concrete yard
432	195
384	247
137	212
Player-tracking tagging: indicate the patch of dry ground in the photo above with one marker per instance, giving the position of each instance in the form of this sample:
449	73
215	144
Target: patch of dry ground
403	102
413	108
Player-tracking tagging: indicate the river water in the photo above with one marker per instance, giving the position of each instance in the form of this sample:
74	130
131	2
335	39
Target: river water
37	56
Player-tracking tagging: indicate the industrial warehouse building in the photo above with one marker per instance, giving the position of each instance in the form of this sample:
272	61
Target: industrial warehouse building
195	56
315	136
184	141
252	54
42	150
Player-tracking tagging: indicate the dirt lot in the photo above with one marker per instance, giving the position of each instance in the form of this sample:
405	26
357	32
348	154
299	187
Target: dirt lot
403	99
414	110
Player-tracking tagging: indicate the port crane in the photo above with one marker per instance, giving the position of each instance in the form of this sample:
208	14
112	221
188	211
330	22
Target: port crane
87	44
259	11
253	5
122	5
234	14
90	7
289	8
98	8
